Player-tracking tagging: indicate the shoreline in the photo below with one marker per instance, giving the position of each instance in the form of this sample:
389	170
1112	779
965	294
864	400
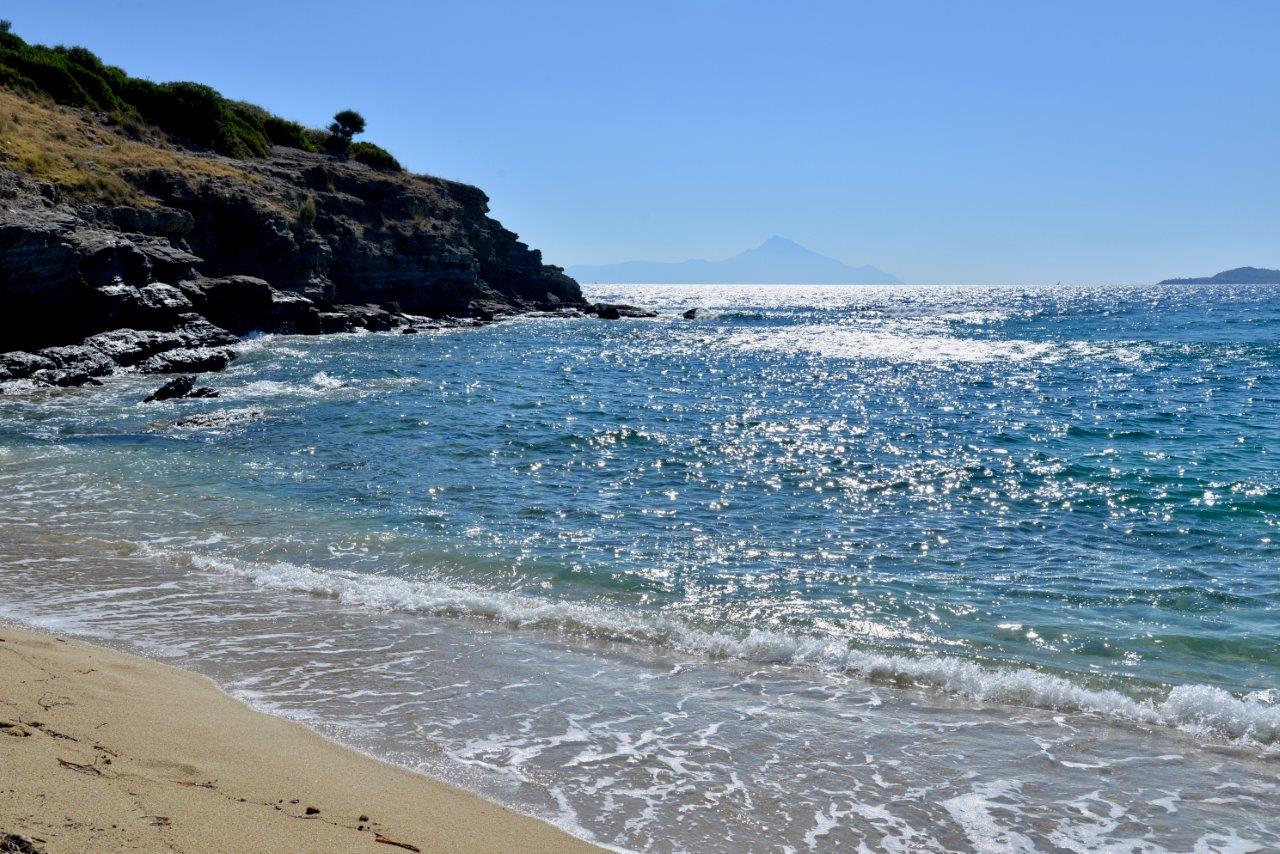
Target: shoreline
107	751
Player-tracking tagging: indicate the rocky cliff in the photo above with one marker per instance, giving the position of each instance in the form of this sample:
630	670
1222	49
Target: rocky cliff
127	249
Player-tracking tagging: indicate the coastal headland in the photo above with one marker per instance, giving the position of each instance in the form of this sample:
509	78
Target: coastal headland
146	227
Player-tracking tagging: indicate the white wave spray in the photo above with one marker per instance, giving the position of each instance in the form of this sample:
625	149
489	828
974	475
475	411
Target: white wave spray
1203	710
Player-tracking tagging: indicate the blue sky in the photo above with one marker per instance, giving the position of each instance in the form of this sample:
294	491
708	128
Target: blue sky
941	141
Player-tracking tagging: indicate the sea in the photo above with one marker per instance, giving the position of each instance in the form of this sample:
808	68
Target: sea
822	569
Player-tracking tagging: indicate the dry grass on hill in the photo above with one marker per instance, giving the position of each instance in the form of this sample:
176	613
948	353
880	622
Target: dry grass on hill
86	157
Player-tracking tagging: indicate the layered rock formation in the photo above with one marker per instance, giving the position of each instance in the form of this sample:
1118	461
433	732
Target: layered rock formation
205	248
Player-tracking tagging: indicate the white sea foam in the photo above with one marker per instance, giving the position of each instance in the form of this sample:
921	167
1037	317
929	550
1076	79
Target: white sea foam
1200	709
323	381
274	344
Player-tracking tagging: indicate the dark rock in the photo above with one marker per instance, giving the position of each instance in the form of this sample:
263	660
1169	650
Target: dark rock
61	377
128	347
240	304
312	811
43	295
180	387
164	298
409	330
168	262
155	220
152	306
691	314
105	257
371	317
20	365
615	311
335	321
193	360
294	313
489	310
195	331
176	387
16	844
79	359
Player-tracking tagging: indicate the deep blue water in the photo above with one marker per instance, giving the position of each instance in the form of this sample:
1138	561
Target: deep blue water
1062	499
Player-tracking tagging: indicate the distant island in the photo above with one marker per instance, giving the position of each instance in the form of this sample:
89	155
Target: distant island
1238	276
777	261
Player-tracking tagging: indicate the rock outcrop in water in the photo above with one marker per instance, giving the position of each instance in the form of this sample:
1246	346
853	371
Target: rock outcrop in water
179	388
135	249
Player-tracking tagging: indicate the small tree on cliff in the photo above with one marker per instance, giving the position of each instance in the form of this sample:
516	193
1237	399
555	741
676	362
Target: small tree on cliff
344	126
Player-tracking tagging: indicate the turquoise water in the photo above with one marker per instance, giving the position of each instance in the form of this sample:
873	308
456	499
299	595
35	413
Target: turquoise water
973	509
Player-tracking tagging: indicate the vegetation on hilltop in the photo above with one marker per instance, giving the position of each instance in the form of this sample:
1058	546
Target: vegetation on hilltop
191	112
88	157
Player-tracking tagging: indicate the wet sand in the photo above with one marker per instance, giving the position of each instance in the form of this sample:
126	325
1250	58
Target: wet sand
101	751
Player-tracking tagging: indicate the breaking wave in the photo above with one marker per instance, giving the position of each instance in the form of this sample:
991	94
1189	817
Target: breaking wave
1203	710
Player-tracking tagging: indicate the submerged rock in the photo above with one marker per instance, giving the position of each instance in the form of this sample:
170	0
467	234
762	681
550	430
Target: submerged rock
691	314
179	387
220	418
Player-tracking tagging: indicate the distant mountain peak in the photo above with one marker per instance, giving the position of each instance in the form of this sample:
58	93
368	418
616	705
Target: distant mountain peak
779	260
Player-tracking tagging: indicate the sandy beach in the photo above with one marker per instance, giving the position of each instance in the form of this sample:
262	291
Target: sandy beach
101	751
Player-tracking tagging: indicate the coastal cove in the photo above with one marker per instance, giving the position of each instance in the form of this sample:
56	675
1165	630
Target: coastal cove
412	440
625	577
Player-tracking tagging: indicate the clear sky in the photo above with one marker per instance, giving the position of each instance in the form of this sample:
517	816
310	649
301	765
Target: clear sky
942	141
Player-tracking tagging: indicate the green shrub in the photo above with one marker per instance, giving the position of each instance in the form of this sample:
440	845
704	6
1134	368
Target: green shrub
375	156
279	131
199	115
50	76
14	79
289	134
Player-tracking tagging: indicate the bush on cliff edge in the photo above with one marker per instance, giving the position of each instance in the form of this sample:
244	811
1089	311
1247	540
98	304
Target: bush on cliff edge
375	156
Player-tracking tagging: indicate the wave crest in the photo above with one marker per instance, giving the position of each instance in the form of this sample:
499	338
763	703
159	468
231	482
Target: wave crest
1203	710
